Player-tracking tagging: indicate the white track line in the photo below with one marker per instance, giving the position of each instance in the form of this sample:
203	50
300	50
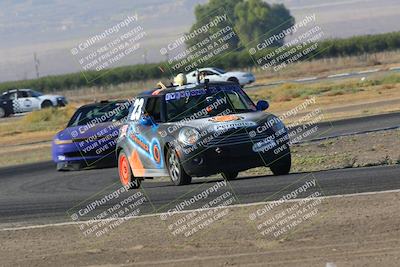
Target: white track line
187	211
368	71
339	75
395	68
306	79
275	83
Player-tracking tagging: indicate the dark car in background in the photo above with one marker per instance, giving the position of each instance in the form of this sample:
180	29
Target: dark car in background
89	139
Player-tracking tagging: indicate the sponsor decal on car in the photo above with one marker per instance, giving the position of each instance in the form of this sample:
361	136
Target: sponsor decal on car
151	150
226	118
138	140
233	124
264	145
184	93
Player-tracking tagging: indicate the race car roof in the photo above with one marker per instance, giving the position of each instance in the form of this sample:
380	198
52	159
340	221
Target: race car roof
103	103
161	92
15	90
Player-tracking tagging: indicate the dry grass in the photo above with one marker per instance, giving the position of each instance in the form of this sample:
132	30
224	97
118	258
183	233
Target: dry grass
25	154
338	99
45	120
290	91
324	67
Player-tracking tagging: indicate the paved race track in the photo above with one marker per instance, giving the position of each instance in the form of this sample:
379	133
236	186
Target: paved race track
38	194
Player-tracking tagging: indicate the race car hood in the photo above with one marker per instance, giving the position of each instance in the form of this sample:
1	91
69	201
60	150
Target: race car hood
85	132
230	122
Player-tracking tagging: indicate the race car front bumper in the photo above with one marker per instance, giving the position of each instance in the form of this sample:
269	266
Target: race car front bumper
70	157
238	157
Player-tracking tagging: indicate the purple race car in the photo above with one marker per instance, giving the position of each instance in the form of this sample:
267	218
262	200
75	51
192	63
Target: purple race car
90	136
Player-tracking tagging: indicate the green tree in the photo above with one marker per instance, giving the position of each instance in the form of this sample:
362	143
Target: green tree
251	19
208	12
257	20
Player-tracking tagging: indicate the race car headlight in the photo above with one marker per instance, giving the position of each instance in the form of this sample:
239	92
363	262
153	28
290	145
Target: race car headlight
277	125
62	142
188	136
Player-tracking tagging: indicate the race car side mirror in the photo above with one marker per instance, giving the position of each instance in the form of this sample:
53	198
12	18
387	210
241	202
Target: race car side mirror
262	105
146	120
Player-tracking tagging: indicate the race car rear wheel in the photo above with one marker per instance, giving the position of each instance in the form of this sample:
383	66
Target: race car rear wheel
282	165
125	172
176	172
231	175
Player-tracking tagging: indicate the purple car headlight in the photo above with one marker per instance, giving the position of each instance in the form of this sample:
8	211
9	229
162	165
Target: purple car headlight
62	142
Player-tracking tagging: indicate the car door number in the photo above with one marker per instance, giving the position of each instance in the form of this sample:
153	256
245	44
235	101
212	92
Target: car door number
137	109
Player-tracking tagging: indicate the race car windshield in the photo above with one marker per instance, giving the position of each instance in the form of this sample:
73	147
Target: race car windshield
36	93
98	114
199	103
221	71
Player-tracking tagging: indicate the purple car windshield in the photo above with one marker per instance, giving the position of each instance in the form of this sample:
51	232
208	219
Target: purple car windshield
99	113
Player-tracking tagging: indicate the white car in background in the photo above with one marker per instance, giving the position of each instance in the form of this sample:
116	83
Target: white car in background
26	100
218	75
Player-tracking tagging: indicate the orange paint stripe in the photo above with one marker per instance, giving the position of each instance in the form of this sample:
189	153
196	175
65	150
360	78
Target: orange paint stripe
136	163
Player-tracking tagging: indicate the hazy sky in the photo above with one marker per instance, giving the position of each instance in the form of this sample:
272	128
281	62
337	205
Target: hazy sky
52	27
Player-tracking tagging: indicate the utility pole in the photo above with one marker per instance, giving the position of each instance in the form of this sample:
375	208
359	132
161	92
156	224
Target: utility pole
167	56
145	56
37	63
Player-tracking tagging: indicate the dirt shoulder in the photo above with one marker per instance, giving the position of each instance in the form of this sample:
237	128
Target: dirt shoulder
349	231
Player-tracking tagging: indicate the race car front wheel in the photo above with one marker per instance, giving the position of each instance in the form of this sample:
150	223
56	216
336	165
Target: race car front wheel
282	165
176	172
46	104
125	172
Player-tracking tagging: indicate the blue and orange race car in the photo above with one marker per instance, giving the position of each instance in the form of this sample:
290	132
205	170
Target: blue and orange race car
90	136
199	130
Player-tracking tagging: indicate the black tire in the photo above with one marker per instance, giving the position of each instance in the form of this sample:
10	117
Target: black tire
282	165
231	175
175	169
46	104
3	113
125	173
234	80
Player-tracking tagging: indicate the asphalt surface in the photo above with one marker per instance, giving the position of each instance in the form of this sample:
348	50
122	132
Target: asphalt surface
337	76
356	125
43	198
36	193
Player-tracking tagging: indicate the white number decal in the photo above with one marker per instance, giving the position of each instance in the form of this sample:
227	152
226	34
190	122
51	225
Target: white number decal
137	109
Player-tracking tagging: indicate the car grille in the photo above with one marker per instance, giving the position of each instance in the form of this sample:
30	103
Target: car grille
235	138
